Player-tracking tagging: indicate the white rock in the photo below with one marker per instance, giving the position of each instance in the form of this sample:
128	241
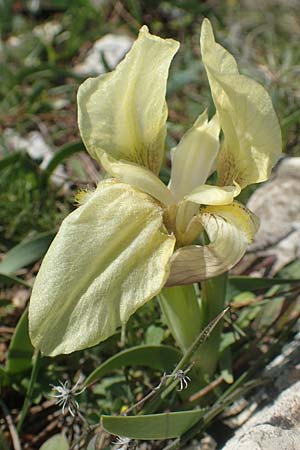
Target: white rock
206	443
37	148
14	41
34	144
112	46
277	204
47	31
275	427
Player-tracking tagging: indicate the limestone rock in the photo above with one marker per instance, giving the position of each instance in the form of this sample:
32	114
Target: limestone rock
36	146
277	204
206	443
275	427
113	47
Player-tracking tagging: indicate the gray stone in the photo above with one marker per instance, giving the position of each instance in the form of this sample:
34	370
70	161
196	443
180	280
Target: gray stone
206	443
47	31
36	146
113	46
275	427
277	204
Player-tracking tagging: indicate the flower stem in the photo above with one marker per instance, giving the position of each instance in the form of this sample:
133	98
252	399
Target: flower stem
180	307
28	397
186	317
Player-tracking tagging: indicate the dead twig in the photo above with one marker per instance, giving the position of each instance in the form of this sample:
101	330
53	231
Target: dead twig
211	386
7	330
11	426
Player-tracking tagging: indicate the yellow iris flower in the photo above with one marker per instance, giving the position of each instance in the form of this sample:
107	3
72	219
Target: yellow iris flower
133	234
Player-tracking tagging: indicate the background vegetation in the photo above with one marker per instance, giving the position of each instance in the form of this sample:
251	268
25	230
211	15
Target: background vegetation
42	41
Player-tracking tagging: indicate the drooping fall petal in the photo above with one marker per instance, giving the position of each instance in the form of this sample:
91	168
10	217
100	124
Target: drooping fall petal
124	112
230	229
194	156
109	257
252	137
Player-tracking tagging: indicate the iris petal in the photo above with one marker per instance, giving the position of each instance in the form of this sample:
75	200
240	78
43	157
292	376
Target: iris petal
124	113
230	229
109	257
252	137
194	156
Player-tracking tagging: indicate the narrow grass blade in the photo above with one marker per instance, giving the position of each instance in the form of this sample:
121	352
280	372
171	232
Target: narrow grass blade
20	352
25	253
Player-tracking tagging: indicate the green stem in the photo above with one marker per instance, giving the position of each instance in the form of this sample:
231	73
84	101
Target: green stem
186	317
28	397
196	347
188	356
180	307
213	294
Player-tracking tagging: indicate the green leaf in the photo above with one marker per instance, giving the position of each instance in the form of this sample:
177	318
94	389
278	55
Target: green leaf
63	153
4	379
225	363
25	253
292	270
3	442
160	357
152	426
227	340
56	442
10	159
154	335
9	280
243	283
20	352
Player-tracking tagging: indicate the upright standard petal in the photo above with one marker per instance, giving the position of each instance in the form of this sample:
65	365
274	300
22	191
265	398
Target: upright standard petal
109	257
230	229
124	112
194	156
252	137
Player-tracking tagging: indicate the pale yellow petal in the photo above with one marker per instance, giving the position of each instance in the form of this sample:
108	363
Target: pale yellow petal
252	137
124	112
188	223
109	257
230	229
213	195
194	156
138	177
